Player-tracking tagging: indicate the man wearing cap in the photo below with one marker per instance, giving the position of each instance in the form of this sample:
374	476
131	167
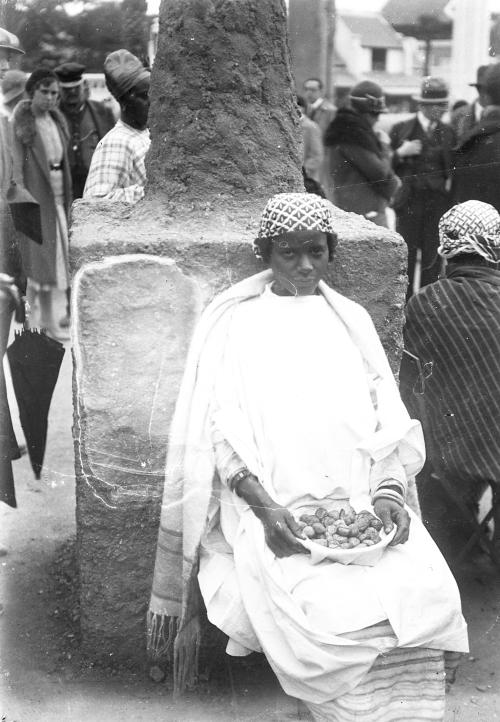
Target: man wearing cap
466	117
477	155
117	171
359	171
422	158
88	122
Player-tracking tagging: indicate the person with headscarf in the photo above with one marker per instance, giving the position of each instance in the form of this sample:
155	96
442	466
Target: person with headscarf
452	360
288	402
359	170
117	171
41	169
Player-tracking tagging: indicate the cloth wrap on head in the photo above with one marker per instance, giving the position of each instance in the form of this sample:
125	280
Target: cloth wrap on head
287	212
123	71
470	227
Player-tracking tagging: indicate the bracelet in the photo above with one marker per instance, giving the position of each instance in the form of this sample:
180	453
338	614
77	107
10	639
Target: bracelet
237	478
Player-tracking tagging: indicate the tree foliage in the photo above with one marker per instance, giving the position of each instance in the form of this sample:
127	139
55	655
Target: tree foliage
51	35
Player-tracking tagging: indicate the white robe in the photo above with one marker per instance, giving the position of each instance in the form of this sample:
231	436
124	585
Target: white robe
293	400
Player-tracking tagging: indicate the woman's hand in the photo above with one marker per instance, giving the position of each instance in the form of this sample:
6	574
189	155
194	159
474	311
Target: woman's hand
390	512
280	528
282	532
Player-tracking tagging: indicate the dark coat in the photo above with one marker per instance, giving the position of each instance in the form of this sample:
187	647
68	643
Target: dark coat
431	169
360	177
477	163
463	120
31	170
86	129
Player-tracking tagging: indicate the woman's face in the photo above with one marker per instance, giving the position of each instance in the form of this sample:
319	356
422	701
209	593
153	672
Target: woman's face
299	260
45	98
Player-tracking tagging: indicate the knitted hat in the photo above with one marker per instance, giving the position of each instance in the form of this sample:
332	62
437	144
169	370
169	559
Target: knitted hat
286	212
123	71
470	227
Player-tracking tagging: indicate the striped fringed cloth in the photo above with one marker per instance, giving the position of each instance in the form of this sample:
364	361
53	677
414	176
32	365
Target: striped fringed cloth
404	684
453	329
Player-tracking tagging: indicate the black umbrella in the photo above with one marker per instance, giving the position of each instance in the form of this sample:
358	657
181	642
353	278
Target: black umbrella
35	360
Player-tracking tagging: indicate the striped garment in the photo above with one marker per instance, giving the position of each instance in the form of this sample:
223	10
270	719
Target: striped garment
117	171
405	684
453	328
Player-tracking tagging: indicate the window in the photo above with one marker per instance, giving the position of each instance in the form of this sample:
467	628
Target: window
379	58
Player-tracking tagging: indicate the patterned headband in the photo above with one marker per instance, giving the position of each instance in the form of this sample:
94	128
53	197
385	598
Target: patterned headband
470	227
287	212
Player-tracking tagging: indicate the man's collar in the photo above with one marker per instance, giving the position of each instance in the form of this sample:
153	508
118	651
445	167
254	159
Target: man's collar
316	103
424	122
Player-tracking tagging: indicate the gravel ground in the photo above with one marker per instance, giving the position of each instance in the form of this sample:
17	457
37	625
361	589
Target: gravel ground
43	677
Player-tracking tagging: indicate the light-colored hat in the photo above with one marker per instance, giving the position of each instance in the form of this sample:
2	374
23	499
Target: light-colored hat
123	71
9	41
432	91
13	85
286	212
470	227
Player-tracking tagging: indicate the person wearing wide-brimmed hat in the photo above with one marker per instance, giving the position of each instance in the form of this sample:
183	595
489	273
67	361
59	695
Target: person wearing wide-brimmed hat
359	171
422	158
477	155
288	403
117	171
468	115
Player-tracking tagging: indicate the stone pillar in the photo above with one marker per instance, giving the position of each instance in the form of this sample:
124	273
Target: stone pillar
225	138
469	45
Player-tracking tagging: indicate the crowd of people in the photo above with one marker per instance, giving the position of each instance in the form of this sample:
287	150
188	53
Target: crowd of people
251	440
57	145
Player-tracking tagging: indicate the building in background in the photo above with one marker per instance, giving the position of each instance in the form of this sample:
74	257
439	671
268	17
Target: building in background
395	47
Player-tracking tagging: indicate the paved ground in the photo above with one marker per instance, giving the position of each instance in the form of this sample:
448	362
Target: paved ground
43	677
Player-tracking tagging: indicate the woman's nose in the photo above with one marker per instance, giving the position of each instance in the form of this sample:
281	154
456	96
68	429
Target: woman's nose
305	264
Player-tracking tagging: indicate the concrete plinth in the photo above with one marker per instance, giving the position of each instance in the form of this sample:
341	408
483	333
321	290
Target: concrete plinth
224	139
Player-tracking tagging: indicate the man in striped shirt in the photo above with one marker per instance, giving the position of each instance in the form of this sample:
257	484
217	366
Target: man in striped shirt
452	345
117	171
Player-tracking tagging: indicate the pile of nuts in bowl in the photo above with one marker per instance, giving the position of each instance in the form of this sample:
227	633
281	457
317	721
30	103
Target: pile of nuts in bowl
344	529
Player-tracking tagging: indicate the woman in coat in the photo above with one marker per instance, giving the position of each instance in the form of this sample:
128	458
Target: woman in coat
360	178
41	167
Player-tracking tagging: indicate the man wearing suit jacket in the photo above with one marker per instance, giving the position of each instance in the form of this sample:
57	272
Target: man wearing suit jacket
318	108
466	117
422	159
322	112
88	121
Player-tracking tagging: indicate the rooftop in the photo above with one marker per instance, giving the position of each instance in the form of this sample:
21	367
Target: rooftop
373	29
